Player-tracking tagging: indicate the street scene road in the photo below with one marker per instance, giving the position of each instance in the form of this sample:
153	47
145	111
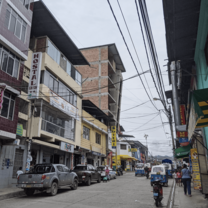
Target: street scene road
125	191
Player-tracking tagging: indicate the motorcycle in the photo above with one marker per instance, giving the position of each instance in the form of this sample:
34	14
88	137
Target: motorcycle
147	175
157	192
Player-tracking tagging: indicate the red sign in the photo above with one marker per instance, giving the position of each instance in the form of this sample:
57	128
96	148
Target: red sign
183	122
2	88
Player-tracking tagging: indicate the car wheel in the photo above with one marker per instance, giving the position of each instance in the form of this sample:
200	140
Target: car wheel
29	192
54	189
99	179
88	182
75	184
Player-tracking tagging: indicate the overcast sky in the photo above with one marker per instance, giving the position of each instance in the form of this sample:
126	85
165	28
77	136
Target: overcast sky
91	23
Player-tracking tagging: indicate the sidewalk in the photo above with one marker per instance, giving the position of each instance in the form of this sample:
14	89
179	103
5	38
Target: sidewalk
196	201
7	193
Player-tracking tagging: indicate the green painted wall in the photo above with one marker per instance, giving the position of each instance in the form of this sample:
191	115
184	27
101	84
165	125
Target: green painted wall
201	65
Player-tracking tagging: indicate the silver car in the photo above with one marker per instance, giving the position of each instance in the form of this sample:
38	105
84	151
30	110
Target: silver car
47	177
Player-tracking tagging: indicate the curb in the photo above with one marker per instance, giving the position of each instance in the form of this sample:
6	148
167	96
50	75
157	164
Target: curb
171	196
12	195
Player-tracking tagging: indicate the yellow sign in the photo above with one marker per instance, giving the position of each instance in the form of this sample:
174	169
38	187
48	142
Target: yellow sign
194	155
114	161
195	168
113	135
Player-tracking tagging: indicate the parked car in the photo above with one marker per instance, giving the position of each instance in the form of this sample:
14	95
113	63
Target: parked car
101	169
47	177
87	174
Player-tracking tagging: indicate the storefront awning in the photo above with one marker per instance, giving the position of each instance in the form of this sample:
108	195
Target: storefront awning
182	152
125	157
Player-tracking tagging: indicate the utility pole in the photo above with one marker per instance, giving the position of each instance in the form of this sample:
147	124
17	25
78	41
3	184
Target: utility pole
171	129
145	136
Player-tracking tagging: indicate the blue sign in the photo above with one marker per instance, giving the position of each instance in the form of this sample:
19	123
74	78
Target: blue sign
182	140
113	147
96	153
7	163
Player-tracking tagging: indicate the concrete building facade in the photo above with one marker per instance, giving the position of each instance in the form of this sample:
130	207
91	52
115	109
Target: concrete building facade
15	28
103	80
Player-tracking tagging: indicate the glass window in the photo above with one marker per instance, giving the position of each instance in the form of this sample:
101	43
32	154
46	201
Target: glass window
53	52
55	86
4	61
60	168
78	78
86	133
15	24
68	68
123	146
98	138
8	106
16	68
51	82
10	66
66	169
27	3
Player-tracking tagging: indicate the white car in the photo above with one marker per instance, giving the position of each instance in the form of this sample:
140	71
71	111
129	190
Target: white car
102	169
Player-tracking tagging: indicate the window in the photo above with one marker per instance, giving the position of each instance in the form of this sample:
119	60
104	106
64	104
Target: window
66	169
78	78
86	133
68	68
123	146
59	88
60	168
15	24
98	138
26	3
53	52
9	63
8	105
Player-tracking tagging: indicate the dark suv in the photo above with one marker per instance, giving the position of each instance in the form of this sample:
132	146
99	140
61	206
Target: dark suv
87	174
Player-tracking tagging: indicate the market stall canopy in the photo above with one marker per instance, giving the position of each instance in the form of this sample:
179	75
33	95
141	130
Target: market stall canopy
127	157
167	161
182	152
198	117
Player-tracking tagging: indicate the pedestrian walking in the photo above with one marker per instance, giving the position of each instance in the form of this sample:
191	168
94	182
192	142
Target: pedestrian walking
175	176
179	178
186	177
19	172
107	172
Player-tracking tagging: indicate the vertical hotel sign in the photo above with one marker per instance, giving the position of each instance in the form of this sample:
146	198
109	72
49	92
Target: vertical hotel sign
113	137
33	89
183	122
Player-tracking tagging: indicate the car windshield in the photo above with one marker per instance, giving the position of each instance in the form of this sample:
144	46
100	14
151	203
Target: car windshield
100	168
80	168
158	169
41	169
139	165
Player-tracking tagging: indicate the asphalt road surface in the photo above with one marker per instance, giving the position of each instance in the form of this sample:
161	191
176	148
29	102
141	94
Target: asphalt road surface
126	191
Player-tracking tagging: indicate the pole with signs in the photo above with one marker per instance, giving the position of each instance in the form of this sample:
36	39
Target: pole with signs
114	141
33	93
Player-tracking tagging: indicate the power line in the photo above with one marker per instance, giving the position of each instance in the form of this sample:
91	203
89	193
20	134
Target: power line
135	106
130	53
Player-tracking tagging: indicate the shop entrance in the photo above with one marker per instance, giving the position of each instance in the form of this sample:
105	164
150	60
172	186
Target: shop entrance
90	161
123	164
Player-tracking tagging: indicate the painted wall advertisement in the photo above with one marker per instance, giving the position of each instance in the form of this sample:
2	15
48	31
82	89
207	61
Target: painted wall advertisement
113	137
195	169
62	105
34	83
67	147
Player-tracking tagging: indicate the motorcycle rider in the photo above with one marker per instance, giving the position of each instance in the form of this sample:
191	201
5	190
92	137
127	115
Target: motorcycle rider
146	169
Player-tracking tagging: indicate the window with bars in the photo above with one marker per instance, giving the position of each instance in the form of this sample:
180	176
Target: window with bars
8	105
123	146
98	138
9	63
15	24
86	133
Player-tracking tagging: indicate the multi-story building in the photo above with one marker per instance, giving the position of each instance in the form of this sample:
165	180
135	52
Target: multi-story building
15	27
94	135
56	113
102	80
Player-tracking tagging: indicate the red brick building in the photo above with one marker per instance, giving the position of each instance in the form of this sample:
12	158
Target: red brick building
102	80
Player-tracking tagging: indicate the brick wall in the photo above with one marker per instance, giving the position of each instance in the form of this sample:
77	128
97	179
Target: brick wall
5	124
